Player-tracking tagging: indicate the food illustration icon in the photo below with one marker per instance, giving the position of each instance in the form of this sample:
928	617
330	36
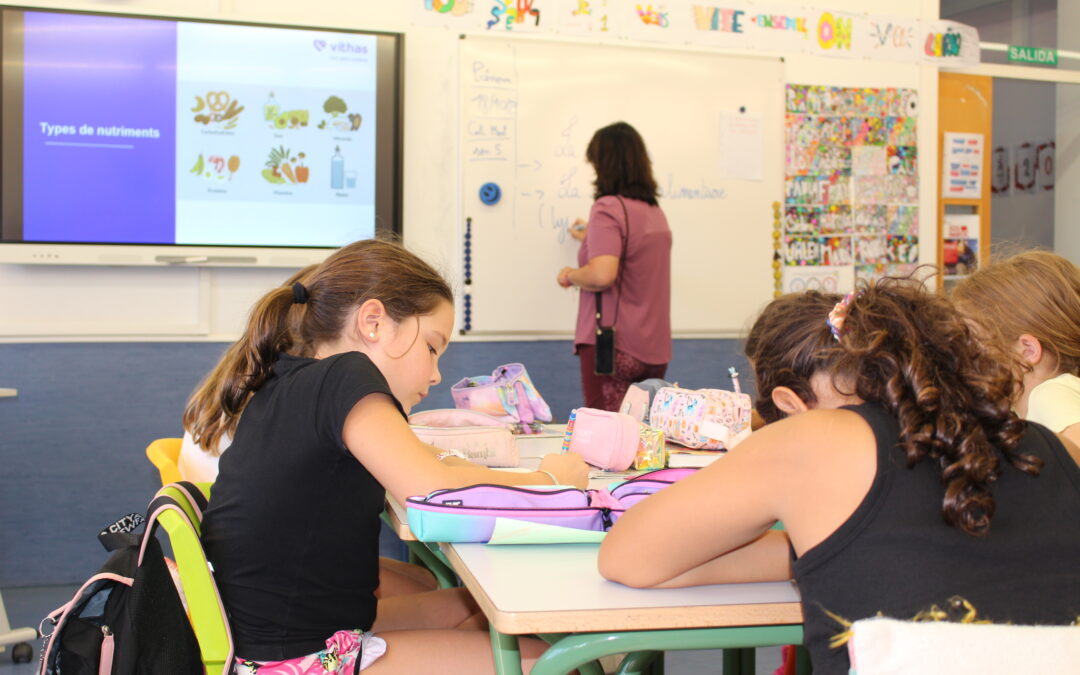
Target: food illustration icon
285	168
337	170
287	119
215	166
291	119
217	108
340	118
271	108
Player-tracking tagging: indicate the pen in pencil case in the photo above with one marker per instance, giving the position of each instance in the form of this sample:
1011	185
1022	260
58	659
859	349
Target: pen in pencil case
734	375
569	430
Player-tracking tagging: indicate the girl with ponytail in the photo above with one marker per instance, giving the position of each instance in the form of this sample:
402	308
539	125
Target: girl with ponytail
892	458
314	396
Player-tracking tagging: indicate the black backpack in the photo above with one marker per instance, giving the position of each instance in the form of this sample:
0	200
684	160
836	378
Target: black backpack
129	614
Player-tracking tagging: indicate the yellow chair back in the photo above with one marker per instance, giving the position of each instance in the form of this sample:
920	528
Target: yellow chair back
164	453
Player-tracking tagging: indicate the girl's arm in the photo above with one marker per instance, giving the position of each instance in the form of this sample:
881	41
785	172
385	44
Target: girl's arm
377	435
810	471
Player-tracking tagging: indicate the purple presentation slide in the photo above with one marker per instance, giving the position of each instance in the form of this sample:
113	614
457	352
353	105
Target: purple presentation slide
99	139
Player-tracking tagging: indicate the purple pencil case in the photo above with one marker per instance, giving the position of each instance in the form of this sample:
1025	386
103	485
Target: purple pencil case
468	514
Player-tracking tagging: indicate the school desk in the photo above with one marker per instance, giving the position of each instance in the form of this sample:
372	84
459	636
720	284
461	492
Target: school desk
556	591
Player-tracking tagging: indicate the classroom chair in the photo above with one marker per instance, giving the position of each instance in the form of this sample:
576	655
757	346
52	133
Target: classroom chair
164	453
181	518
881	645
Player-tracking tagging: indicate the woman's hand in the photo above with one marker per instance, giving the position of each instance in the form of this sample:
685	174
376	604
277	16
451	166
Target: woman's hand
564	277
568	468
579	229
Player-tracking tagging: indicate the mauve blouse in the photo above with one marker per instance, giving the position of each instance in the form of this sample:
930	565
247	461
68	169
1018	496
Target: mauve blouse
643	318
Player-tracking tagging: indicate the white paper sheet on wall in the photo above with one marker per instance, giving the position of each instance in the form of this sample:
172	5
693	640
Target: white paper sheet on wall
962	166
742	146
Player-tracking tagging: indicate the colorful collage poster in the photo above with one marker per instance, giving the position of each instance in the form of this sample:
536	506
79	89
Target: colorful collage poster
851	185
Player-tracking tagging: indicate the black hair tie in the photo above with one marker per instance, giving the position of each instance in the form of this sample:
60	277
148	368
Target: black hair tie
299	293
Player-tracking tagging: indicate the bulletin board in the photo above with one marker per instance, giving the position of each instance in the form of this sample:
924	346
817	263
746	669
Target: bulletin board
851	208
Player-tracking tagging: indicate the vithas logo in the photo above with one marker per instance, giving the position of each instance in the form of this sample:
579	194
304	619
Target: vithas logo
319	44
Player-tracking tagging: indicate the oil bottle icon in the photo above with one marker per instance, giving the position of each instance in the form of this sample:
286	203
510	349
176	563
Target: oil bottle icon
337	170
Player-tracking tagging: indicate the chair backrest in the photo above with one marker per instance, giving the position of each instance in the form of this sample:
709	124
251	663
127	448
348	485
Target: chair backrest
164	453
181	518
880	645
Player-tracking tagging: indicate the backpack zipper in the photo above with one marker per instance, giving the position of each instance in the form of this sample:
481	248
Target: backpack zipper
107	644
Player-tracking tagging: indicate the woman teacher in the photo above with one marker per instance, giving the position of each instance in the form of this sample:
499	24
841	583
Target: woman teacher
625	263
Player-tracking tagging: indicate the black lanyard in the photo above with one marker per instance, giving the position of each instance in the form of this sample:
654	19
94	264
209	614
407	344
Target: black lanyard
619	274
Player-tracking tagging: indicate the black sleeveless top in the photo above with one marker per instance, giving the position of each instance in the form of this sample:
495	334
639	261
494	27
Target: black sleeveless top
896	556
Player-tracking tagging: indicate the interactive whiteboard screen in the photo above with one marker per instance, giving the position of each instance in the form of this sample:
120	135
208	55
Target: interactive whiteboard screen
136	131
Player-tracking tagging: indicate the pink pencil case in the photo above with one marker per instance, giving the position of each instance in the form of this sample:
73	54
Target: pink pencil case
607	440
480	437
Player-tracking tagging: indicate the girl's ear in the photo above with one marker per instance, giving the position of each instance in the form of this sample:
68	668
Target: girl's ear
371	320
788	401
1029	348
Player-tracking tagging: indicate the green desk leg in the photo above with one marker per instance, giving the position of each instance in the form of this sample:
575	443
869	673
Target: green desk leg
574	650
504	648
591	668
642	663
732	663
802	660
748	660
434	561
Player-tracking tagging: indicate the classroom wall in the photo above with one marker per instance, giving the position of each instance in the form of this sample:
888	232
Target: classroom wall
1024	111
1067	182
91	396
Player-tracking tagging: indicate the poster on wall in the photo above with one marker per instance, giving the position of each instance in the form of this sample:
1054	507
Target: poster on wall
1024	167
1000	171
962	160
960	246
1044	165
851	185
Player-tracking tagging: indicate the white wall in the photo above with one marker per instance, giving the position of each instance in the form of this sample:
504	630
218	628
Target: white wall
130	303
1067	187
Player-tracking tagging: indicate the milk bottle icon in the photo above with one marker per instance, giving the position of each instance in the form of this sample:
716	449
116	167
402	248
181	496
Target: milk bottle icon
337	170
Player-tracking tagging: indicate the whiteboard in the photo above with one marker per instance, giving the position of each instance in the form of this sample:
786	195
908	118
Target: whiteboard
713	125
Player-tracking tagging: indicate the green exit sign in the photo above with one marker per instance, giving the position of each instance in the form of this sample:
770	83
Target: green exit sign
1041	56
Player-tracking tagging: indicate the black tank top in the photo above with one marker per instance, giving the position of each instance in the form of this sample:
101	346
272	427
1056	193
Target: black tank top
896	556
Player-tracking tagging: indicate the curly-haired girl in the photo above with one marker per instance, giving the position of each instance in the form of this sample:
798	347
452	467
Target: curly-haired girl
900	474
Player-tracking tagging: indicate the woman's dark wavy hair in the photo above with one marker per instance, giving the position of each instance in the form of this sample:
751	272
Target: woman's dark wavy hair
910	351
617	153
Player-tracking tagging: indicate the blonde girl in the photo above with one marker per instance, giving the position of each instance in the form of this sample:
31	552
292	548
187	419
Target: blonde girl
318	388
1030	304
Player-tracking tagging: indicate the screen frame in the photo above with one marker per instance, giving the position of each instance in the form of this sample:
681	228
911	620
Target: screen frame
389	145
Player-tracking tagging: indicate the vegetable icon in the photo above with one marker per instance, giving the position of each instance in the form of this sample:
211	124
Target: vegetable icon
335	106
199	164
280	167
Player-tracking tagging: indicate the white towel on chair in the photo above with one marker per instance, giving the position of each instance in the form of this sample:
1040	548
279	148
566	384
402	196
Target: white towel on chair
883	646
